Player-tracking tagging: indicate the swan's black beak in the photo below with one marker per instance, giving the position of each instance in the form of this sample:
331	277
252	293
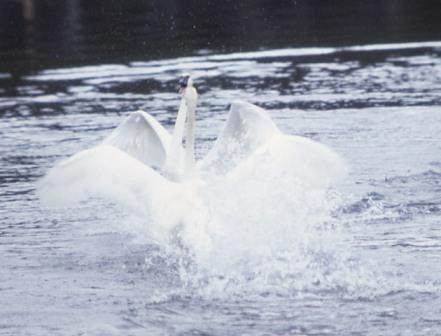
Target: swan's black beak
183	82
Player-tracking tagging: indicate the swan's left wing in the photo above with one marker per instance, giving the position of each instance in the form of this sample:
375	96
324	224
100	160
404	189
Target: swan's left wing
247	128
141	136
106	172
288	159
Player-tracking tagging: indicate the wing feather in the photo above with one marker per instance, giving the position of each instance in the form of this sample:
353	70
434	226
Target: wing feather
141	136
247	128
107	172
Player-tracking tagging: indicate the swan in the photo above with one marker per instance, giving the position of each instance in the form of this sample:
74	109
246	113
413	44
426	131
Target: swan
147	169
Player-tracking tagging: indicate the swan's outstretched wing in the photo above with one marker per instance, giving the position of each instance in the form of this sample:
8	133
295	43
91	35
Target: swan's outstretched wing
286	158
142	137
247	128
107	172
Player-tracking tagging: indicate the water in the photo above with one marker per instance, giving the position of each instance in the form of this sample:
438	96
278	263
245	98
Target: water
361	258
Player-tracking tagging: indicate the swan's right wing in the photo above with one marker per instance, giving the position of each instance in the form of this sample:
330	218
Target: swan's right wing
248	127
106	172
141	136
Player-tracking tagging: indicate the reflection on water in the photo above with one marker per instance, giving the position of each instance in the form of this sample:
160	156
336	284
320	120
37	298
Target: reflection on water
406	74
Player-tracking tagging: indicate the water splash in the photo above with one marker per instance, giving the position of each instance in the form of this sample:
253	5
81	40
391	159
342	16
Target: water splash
265	225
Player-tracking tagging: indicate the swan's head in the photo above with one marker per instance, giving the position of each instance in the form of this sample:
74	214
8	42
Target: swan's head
185	82
187	90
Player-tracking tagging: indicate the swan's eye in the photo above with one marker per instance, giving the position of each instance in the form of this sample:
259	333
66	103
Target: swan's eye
183	81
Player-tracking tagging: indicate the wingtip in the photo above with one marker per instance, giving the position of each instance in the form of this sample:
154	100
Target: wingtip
237	103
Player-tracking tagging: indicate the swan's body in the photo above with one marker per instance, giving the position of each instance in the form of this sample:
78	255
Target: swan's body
142	166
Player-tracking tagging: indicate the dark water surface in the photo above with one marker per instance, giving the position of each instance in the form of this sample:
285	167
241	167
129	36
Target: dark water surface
38	34
369	253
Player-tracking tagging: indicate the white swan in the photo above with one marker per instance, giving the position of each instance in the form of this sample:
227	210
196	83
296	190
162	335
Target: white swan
145	168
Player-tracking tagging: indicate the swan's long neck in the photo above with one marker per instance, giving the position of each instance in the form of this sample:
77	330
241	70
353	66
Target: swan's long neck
186	117
191	100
